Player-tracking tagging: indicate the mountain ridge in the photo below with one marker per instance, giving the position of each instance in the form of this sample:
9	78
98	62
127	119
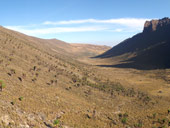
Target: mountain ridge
151	47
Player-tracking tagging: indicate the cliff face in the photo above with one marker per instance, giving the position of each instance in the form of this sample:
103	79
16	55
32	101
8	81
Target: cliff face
152	46
155	25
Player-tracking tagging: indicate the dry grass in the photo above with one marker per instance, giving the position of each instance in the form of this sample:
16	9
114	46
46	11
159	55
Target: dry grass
55	86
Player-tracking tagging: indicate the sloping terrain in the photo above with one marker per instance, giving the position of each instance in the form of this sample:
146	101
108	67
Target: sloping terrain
41	83
45	86
147	50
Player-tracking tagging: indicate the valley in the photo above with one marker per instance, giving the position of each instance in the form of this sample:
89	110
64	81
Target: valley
53	84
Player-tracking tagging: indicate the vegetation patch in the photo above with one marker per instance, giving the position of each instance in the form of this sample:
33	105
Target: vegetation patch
21	98
2	85
56	122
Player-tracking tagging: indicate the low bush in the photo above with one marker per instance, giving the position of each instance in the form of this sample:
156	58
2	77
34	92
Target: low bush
124	120
2	85
21	98
56	122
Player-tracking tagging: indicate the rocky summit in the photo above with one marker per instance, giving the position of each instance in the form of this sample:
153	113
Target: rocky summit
155	25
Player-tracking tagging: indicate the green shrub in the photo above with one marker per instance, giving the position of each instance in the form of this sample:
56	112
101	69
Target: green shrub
21	98
159	121
56	122
163	120
168	111
139	125
2	84
154	115
124	120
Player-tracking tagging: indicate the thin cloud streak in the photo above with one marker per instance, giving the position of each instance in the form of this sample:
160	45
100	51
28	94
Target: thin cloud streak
55	30
130	22
89	25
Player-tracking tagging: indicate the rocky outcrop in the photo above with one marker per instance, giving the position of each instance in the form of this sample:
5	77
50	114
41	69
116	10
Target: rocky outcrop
155	25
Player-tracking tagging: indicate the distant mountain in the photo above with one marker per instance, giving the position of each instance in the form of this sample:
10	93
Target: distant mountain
150	49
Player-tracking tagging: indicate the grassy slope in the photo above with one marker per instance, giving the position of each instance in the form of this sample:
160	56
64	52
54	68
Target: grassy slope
56	86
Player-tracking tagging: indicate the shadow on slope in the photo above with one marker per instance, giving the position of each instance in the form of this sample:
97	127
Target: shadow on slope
152	47
153	58
133	65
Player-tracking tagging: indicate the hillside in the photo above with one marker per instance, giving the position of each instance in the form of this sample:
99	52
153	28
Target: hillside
42	83
147	50
46	85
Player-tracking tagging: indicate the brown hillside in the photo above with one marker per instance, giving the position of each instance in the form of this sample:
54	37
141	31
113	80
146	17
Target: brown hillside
44	85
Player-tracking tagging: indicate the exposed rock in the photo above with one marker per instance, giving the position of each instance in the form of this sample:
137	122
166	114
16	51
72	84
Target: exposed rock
150	25
6	119
42	116
154	25
31	117
64	126
58	116
24	126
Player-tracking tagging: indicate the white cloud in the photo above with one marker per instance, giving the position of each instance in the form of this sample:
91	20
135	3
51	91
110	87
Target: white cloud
118	30
70	22
55	29
110	25
129	22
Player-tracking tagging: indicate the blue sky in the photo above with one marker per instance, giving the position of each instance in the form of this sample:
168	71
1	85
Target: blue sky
105	22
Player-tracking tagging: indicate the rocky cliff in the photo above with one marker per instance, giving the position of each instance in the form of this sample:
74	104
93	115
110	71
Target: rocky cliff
155	25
